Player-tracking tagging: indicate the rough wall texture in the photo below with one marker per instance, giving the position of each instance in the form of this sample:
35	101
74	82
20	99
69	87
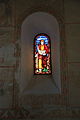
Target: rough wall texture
64	106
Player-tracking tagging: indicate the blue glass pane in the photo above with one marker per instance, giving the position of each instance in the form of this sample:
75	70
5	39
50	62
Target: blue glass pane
41	38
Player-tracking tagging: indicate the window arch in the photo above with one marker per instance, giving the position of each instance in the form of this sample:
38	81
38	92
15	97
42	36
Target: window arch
33	26
42	54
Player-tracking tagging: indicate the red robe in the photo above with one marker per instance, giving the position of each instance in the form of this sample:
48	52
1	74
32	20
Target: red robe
43	57
45	48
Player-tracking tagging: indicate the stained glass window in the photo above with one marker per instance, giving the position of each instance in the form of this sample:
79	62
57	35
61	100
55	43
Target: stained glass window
42	54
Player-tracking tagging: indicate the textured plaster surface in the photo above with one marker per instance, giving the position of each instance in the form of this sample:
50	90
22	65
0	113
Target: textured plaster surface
12	13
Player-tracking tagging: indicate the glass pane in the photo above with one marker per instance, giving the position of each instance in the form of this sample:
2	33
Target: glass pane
42	54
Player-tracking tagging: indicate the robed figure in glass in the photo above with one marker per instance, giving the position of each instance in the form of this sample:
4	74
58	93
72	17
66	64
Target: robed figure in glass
42	54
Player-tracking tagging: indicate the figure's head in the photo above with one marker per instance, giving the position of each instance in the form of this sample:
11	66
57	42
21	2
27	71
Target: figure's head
42	42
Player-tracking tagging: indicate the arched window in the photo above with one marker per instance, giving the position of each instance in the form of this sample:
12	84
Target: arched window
42	54
40	76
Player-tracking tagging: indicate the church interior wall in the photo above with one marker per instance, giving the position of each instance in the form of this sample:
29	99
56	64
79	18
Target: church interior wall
57	106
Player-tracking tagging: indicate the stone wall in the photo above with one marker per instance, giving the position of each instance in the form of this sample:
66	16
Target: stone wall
59	106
